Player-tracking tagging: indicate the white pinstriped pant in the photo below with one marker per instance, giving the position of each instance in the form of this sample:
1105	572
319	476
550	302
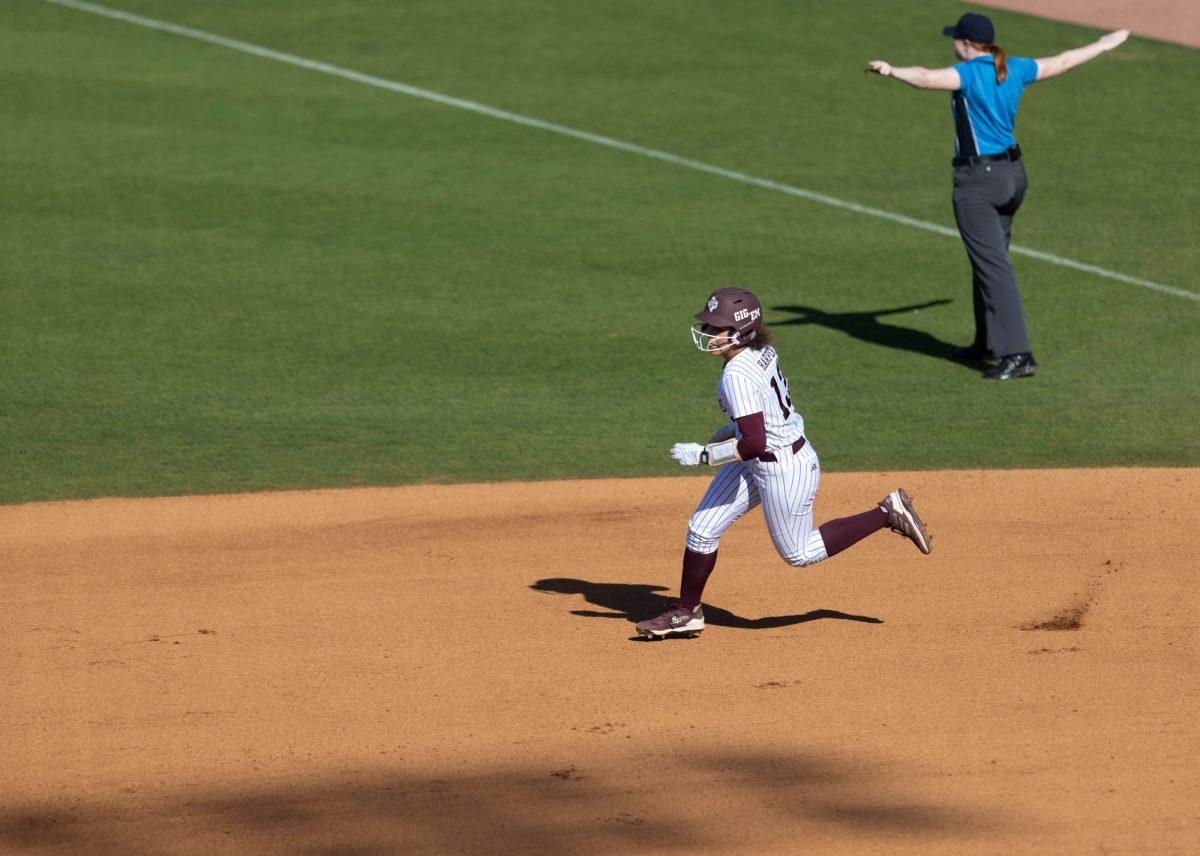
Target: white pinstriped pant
785	489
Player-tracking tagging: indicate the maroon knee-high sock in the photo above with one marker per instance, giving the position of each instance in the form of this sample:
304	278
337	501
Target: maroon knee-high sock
696	568
846	531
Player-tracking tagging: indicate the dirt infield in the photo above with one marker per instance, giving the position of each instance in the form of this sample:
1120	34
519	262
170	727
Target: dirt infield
451	669
1168	20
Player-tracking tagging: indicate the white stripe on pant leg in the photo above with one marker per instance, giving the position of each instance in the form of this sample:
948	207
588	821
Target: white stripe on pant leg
771	485
795	485
779	483
726	490
804	518
730	495
790	520
815	547
775	482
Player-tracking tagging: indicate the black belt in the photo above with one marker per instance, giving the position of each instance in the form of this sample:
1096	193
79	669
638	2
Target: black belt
770	458
1013	154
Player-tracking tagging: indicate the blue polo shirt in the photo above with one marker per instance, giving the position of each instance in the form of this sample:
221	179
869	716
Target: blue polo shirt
983	110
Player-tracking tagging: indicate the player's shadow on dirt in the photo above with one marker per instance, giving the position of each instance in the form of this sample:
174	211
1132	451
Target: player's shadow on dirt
866	327
637	602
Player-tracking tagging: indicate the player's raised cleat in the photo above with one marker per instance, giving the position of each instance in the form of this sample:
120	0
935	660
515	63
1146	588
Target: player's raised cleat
1014	365
902	518
676	622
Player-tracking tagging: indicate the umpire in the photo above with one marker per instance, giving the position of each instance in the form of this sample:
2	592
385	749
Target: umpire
989	177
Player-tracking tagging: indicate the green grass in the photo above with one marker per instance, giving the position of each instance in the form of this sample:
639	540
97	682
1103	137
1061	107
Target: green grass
221	273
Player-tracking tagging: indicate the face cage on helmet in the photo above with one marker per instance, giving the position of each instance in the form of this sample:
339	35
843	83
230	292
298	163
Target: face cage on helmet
703	341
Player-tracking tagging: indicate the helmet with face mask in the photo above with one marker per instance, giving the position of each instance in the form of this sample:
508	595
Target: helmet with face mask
728	309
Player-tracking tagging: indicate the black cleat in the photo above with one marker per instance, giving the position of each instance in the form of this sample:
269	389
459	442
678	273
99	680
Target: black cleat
1014	365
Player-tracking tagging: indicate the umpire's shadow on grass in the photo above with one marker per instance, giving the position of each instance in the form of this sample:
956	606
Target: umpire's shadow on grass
866	327
638	602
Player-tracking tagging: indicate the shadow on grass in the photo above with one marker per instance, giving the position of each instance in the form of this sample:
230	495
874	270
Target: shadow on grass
866	327
637	602
582	805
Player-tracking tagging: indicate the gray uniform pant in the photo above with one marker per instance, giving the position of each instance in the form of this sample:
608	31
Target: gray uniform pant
986	197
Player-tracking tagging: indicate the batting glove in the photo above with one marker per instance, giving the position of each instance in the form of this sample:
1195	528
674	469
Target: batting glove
688	454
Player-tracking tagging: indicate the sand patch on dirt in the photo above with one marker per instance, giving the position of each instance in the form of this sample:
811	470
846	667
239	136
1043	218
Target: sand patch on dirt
450	668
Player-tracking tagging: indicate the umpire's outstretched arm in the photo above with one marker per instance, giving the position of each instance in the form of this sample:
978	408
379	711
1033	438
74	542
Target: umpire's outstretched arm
1048	67
1067	60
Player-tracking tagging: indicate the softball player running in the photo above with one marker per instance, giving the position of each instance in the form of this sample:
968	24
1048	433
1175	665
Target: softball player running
764	459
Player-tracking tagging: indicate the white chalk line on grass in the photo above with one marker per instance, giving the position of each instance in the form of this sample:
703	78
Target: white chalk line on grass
598	139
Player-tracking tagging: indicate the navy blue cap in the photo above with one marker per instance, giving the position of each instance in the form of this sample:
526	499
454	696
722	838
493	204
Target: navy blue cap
973	28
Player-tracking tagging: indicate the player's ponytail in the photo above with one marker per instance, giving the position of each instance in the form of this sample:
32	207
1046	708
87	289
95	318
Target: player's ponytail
761	339
999	55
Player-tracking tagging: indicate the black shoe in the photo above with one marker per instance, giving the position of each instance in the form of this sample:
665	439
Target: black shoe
1014	365
973	354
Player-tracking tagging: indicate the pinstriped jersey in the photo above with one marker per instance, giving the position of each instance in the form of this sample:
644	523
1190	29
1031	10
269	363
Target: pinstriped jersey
752	382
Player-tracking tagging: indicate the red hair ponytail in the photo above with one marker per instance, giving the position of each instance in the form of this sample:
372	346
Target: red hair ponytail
999	55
